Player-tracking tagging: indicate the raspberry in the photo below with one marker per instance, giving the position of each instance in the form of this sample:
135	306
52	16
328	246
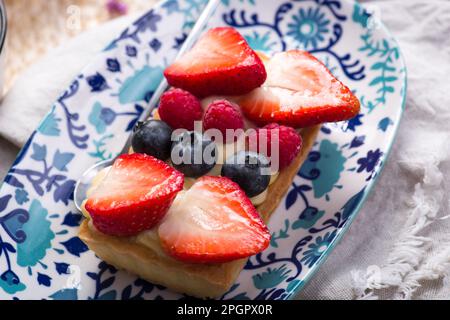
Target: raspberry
179	109
290	142
222	115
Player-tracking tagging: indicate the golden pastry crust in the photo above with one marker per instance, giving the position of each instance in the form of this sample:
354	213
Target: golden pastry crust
199	280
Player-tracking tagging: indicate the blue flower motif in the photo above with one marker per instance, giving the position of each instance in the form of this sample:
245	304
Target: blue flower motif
13	222
357	141
62	159
21	196
62	267
39	152
99	118
39	236
354	122
107	115
360	15
308	218
180	40
369	162
317	248
97	82
258	42
75	246
10	282
113	65
270	278
49	126
171	6
309	27
147	21
384	124
131	51
64	192
72	219
155	44
44	280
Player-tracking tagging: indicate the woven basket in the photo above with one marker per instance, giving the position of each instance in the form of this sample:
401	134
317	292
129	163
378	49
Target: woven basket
35	26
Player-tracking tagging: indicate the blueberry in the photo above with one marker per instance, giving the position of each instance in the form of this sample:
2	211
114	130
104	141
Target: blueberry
153	138
250	170
193	154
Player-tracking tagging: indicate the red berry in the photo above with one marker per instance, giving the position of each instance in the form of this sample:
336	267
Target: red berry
299	92
222	115
179	109
213	222
289	142
220	63
134	196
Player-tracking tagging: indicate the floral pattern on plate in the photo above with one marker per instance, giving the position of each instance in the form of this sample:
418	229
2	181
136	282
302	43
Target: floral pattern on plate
41	256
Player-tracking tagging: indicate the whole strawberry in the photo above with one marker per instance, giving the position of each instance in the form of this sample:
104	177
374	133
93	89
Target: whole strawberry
180	109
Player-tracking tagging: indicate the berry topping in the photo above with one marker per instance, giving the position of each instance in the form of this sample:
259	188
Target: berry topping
193	154
213	222
250	170
153	138
134	196
285	139
220	63
299	91
222	115
180	109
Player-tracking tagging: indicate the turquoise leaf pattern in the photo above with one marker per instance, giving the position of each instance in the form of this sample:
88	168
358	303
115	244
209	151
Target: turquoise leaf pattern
258	42
385	69
282	234
10	282
50	125
65	294
330	165
271	277
39	236
101	151
95	118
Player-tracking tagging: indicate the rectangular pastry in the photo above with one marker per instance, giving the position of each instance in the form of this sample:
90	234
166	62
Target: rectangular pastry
183	210
142	254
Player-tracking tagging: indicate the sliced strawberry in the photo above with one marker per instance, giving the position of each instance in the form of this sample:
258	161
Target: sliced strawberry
299	92
134	196
213	222
220	63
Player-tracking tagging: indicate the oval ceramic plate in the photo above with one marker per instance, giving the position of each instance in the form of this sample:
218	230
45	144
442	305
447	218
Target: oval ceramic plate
41	256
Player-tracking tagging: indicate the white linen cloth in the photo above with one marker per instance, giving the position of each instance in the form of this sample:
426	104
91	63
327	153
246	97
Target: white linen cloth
399	245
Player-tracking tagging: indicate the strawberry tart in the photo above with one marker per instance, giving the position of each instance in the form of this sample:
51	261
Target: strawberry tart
190	202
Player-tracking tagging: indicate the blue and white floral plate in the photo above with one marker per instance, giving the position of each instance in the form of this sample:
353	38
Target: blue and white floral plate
41	256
